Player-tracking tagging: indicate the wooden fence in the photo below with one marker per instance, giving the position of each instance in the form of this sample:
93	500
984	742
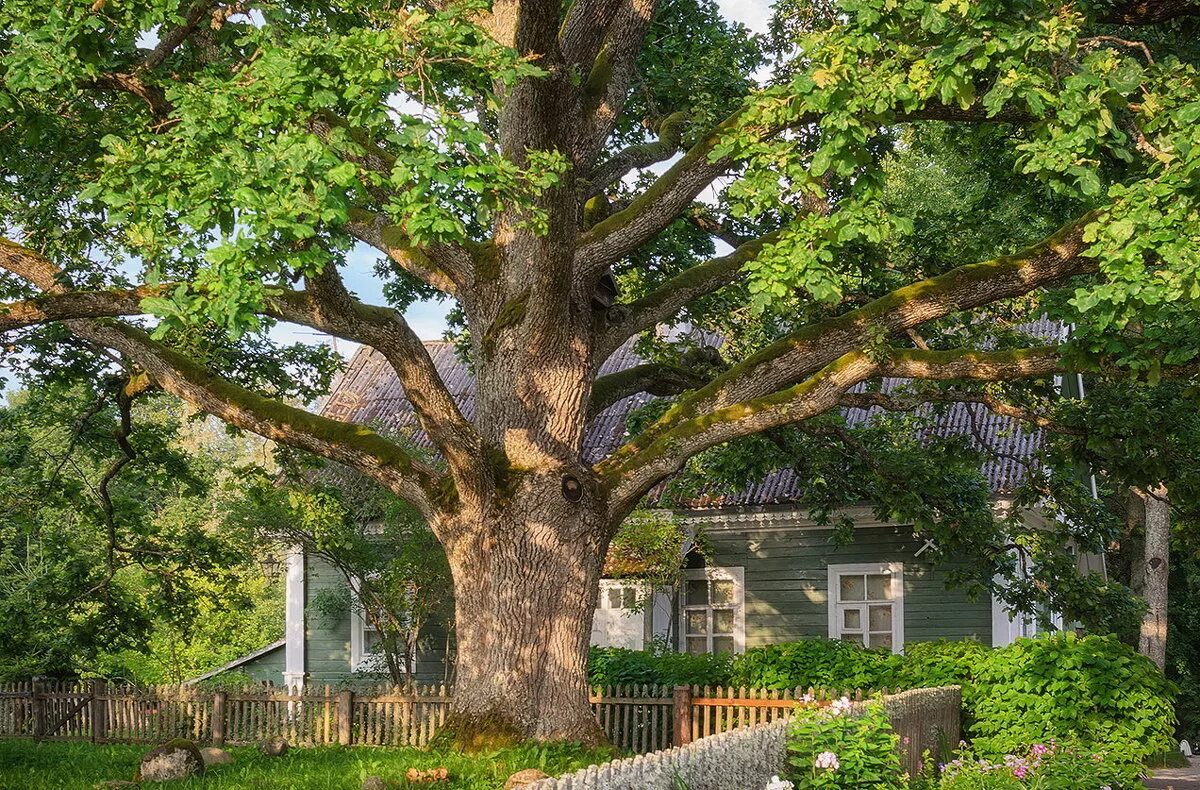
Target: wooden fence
636	718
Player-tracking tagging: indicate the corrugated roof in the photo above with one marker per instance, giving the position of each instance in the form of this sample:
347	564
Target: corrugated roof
368	391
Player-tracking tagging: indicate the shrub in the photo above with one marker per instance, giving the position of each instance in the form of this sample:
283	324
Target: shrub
1049	766
612	666
820	663
833	747
1093	690
942	663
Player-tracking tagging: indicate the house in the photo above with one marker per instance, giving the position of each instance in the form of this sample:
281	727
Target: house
772	573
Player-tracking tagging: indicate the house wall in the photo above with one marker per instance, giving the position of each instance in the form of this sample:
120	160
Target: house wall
267	667
786	582
327	639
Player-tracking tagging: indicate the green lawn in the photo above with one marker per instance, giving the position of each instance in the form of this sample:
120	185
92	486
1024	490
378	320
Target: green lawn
25	765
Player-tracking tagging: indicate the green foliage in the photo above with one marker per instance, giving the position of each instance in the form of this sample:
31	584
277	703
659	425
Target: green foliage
81	766
1092	690
176	596
1043	766
611	666
941	663
831	747
820	663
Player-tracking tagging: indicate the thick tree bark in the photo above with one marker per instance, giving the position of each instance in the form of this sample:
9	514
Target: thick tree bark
1153	640
525	586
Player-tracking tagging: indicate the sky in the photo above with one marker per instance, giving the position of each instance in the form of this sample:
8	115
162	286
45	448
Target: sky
428	319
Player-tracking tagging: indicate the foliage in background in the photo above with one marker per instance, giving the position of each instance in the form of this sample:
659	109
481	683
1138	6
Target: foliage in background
124	570
830	747
1093	690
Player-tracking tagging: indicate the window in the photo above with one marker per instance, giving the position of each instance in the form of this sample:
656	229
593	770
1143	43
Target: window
365	651
619	620
712	605
866	604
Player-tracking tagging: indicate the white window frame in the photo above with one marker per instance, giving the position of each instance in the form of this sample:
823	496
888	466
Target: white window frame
896	569
737	575
360	659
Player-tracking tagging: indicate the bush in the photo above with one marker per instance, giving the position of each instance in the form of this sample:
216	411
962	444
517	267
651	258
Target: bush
833	748
942	663
1094	690
612	666
820	663
1049	766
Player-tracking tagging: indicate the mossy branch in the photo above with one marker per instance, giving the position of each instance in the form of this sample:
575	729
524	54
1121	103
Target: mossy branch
658	452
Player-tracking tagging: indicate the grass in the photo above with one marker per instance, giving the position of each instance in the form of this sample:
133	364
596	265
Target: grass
63	765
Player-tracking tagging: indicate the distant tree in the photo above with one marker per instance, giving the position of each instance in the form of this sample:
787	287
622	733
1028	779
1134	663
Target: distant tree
113	556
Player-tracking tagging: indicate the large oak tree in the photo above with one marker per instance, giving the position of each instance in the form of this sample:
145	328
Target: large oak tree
212	163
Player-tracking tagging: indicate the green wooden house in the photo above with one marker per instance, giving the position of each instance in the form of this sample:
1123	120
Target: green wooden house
772	574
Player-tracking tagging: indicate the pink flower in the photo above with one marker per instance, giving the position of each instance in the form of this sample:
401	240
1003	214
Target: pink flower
827	761
905	740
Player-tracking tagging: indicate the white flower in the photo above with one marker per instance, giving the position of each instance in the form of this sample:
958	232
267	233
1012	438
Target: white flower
779	784
827	761
840	706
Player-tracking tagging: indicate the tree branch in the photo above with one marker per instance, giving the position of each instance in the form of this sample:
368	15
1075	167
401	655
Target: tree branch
1149	12
329	307
649	213
809	348
635	468
613	71
868	400
174	38
584	30
440	266
626	320
670	134
73	304
351	444
656	378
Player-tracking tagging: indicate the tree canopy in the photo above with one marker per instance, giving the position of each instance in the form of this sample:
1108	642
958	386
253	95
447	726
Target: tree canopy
179	178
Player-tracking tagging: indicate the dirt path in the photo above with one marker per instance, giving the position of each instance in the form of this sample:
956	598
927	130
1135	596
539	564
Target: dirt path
1176	778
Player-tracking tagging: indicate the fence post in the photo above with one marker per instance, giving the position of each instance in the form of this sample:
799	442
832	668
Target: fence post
39	709
218	718
683	716
345	712
99	713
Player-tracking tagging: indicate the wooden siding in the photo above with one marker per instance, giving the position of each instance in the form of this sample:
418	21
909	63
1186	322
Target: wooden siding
267	668
787	583
327	640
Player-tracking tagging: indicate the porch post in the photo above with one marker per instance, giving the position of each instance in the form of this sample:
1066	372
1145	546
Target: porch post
293	649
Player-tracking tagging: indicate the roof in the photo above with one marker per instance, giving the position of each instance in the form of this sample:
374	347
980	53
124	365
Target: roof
237	662
368	391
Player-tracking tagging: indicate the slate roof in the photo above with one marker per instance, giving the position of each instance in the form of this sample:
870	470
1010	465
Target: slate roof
368	391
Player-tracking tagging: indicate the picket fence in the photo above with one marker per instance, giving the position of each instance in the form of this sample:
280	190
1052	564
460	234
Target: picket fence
636	718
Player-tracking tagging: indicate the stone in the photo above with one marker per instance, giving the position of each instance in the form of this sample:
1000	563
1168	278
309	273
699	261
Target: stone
374	783
274	747
177	759
214	756
523	778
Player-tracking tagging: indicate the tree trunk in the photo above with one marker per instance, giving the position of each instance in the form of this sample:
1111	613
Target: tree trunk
525	593
1153	640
